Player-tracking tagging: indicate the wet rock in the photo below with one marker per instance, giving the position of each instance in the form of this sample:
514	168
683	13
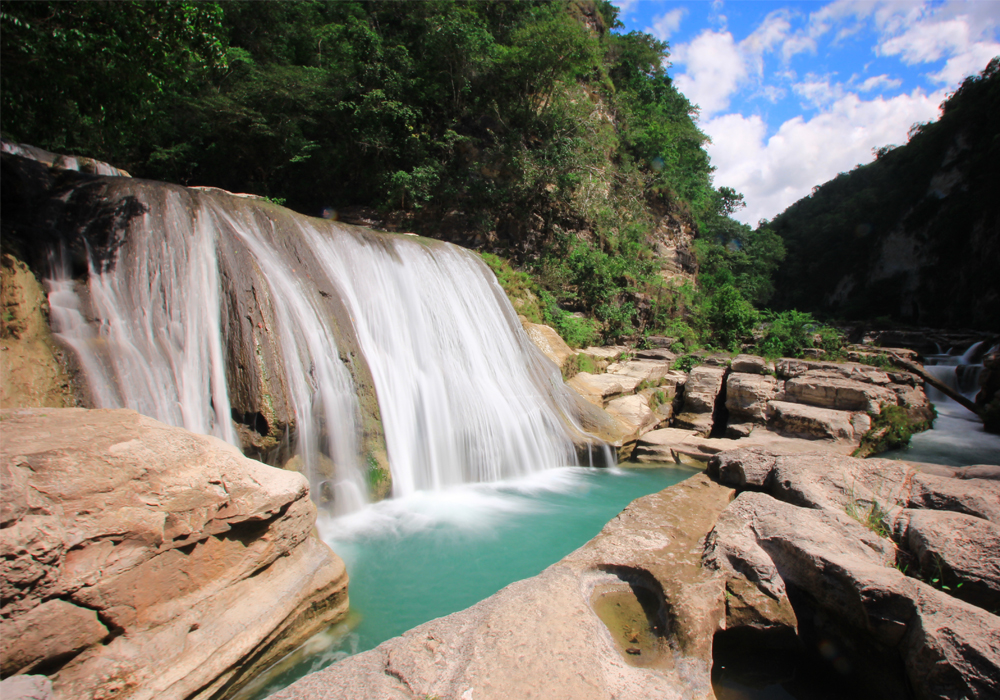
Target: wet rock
31	373
131	567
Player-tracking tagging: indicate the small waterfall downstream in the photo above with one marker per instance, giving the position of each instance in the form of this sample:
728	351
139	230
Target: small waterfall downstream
957	438
311	344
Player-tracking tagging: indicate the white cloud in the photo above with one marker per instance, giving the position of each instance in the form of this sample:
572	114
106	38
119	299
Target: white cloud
968	63
665	25
771	32
879	81
714	69
925	42
625	6
774	172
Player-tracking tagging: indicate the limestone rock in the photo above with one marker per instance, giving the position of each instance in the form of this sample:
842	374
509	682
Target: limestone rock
960	549
949	648
161	537
643	370
549	342
51	630
634	412
812	423
30	371
601	388
973	496
787	368
658	354
834	392
747	396
700	392
751	364
26	688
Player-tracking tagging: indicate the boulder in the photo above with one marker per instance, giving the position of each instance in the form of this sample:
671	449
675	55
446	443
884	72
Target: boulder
700	393
643	370
812	423
856	602
751	364
825	391
131	552
958	550
747	396
549	342
601	388
979	497
634	412
788	368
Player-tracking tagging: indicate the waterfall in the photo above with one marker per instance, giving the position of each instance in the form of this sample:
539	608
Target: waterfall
240	319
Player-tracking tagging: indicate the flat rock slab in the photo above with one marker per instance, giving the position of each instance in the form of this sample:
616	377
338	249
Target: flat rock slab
601	388
542	638
812	423
144	561
679	446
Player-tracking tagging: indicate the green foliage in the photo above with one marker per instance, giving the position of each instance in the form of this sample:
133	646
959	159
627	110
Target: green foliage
96	78
518	286
580	362
684	363
577	332
379	480
891	429
732	317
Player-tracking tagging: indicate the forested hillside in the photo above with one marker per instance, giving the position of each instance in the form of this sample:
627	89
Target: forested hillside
913	236
533	131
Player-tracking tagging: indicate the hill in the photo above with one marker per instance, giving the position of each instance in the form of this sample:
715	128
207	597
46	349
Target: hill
913	236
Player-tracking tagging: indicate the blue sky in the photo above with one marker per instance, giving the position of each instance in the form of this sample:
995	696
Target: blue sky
792	93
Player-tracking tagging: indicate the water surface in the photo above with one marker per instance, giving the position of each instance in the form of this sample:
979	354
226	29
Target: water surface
413	559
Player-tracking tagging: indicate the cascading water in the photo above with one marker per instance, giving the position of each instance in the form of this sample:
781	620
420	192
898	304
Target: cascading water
957	438
207	306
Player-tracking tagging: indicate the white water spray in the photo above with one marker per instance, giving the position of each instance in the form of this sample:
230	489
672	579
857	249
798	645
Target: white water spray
463	394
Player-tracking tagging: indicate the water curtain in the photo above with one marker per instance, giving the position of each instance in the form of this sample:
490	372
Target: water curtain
324	343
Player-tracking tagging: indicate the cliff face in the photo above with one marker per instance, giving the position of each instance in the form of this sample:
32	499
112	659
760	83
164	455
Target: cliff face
915	235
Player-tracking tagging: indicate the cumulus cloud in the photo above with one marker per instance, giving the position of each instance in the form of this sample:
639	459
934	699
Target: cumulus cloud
774	172
714	69
665	25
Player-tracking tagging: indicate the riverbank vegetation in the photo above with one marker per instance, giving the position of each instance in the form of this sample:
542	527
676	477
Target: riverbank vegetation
534	132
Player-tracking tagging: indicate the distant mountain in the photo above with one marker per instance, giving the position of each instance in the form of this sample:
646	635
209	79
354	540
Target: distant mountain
914	235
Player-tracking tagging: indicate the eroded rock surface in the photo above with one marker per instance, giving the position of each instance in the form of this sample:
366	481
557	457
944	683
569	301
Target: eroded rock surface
813	531
143	561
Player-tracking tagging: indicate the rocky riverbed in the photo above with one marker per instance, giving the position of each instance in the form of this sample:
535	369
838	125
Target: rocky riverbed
787	551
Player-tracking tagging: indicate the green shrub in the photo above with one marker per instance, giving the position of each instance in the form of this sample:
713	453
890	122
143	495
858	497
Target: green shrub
731	317
891	429
685	362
